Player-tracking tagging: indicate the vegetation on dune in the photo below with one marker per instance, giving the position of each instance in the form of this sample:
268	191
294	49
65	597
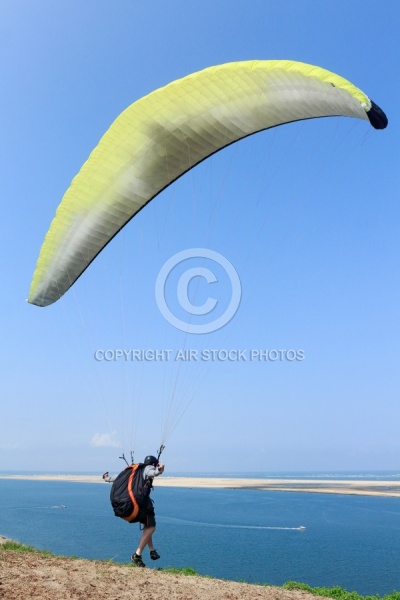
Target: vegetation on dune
337	592
180	571
17	547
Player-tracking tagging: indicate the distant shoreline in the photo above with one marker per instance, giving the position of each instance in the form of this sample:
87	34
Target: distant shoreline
320	486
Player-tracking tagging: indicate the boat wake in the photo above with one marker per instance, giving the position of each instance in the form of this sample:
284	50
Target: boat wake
177	521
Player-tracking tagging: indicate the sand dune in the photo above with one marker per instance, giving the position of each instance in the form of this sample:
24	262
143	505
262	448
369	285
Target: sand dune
30	575
322	486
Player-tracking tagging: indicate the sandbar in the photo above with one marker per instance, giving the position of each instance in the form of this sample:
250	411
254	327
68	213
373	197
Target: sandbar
321	486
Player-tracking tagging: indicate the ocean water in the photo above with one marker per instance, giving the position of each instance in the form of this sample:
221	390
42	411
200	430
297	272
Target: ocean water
351	541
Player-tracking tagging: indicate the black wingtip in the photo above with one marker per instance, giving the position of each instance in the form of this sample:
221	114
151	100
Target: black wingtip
377	117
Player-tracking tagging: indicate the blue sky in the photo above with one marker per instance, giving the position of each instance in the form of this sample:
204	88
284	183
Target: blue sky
308	215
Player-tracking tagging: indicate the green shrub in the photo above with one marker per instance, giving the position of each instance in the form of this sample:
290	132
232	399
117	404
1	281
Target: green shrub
337	592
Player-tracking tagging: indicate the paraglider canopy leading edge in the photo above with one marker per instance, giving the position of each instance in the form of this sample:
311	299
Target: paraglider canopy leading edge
164	134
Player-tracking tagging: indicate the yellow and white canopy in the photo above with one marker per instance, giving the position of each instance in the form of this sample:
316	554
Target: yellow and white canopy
164	134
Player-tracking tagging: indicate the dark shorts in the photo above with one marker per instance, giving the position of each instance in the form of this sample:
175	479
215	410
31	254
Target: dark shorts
147	516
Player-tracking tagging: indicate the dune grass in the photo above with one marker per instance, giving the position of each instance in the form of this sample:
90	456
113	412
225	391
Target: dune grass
180	571
337	592
17	547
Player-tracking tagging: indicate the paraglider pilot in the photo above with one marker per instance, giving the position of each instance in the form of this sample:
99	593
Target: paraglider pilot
152	468
147	514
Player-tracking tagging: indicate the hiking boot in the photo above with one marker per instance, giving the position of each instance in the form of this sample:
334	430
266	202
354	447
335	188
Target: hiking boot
154	555
137	560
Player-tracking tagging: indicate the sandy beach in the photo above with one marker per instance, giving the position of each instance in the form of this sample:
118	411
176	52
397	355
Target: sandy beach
321	486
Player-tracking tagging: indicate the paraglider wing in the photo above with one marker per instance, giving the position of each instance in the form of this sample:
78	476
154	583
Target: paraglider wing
163	135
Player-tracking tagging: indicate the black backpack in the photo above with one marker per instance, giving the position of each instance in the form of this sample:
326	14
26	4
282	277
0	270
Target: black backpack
130	492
